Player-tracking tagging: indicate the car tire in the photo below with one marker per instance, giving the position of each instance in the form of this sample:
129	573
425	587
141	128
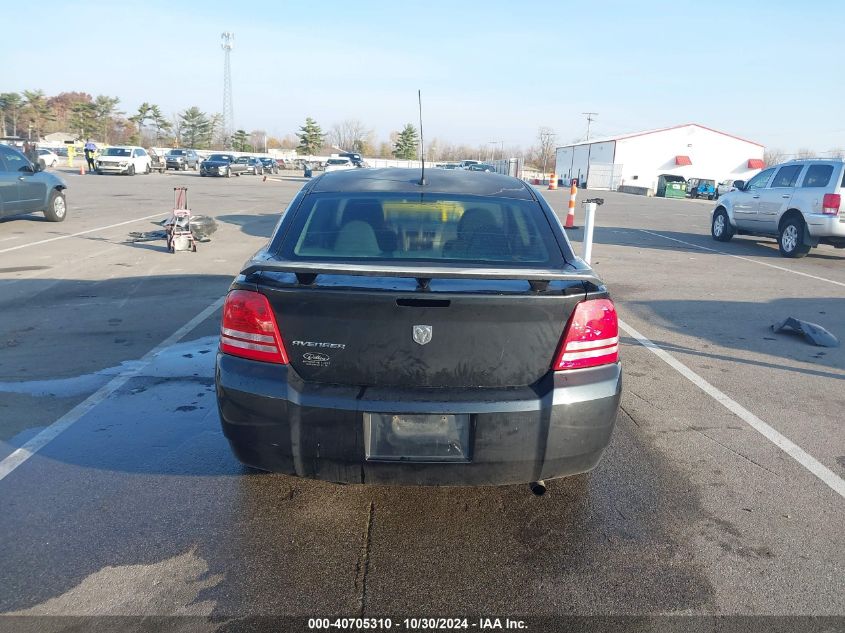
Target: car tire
720	227
791	238
147	169
56	210
131	170
228	173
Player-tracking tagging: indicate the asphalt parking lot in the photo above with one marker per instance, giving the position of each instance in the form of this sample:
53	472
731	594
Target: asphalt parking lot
721	493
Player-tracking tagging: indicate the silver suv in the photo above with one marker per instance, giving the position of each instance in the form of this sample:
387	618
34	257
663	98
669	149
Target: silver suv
798	202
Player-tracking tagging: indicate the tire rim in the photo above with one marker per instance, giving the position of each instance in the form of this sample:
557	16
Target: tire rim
719	225
789	240
59	207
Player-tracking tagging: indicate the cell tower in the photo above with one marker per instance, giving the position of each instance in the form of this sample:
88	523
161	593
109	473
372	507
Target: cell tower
228	39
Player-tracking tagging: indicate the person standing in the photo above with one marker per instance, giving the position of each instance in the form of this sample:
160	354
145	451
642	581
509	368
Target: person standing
90	148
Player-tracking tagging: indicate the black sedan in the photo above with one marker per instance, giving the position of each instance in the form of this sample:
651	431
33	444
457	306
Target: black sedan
436	333
270	165
221	165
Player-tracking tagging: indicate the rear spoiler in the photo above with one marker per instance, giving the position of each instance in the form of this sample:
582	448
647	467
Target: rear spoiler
307	272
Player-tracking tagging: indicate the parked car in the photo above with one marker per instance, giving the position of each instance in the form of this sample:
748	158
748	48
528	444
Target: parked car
701	188
270	165
724	187
182	159
797	202
339	164
47	157
252	165
157	161
221	165
464	164
355	157
126	159
27	188
444	371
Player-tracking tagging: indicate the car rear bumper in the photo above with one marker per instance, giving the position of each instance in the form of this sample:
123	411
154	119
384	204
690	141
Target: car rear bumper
274	421
826	226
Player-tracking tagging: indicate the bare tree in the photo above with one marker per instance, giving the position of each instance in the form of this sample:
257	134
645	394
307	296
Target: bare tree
350	135
805	153
837	152
772	156
546	137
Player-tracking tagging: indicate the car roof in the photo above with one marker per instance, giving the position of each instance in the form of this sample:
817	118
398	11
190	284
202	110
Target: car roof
402	180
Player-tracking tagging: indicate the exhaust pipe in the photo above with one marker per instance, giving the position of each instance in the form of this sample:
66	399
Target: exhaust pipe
538	488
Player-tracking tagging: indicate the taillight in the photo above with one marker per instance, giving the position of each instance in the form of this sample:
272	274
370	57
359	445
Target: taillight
830	203
249	328
591	337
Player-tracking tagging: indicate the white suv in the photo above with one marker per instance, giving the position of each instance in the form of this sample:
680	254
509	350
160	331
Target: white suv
798	202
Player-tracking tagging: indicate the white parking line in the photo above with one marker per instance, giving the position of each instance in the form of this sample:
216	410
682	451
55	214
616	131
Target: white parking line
64	237
827	476
63	423
747	259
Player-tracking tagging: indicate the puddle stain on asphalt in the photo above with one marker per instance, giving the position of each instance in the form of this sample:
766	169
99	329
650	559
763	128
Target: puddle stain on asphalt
178	361
169	587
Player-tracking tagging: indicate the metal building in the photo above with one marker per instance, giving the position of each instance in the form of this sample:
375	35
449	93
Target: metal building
633	162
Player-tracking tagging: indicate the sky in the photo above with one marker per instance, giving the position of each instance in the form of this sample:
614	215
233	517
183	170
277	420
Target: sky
491	71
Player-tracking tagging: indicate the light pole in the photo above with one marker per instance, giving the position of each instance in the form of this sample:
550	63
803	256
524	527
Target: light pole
500	143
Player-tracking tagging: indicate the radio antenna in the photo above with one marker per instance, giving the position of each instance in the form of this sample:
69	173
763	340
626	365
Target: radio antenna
422	143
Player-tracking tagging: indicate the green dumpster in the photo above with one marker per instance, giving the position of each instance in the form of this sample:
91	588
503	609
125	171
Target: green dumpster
671	186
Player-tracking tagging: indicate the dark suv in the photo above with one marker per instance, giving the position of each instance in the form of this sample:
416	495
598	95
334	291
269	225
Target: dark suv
182	159
25	188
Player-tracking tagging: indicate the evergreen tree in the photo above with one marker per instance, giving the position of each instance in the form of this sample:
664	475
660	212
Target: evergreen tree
159	121
239	140
310	137
196	128
10	107
407	143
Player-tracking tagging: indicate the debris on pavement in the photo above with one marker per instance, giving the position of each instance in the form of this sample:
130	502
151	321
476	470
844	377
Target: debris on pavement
813	332
202	226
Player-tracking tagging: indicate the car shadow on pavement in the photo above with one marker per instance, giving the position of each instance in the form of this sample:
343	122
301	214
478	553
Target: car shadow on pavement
744	246
331	548
260	225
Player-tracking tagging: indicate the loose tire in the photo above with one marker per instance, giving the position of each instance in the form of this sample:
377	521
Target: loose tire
56	210
791	238
720	227
131	171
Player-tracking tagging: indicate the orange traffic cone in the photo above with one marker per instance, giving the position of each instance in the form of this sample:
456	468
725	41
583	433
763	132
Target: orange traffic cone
552	181
570	215
82	170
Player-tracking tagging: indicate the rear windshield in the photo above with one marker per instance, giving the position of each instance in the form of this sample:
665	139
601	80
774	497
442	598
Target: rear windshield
428	228
116	151
177	152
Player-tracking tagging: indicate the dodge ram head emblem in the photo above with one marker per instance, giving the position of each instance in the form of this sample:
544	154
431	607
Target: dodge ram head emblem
422	334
